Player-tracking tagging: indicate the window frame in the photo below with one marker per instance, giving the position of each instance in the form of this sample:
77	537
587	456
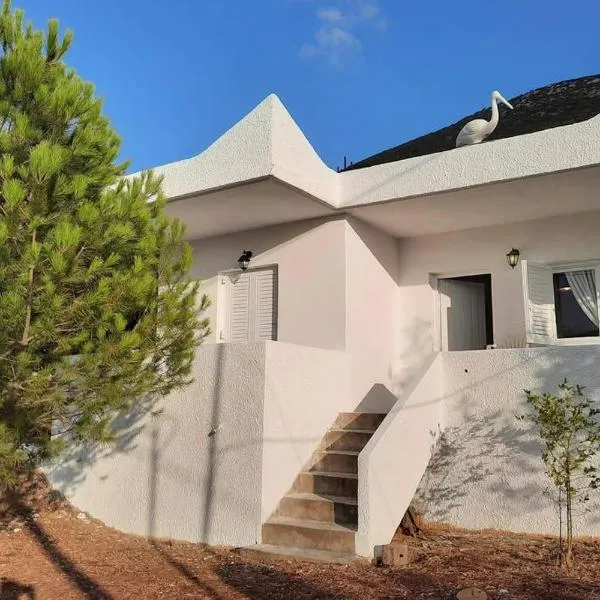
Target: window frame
563	267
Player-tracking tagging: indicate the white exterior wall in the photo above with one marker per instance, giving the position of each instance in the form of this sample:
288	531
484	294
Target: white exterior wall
311	273
305	389
391	465
336	290
371	274
167	476
212	466
488	472
568	238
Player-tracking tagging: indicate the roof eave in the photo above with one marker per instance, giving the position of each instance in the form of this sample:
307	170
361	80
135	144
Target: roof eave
543	152
267	143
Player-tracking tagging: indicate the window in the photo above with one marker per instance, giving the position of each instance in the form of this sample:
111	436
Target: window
561	303
249	305
576	304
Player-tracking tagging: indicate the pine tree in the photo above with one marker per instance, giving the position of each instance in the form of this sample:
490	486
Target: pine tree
97	311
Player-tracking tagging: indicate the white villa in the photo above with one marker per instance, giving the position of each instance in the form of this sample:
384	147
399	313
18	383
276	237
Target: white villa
378	311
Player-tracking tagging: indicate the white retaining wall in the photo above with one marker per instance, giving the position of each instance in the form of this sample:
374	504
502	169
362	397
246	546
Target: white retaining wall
391	465
487	472
215	458
305	389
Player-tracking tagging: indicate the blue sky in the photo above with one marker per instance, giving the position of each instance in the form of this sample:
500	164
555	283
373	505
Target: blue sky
358	76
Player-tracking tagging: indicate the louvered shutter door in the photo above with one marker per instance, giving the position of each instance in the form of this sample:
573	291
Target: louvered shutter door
251	306
538	290
264	323
239	308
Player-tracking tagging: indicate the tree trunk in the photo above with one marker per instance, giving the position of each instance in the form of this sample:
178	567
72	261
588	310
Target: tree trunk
569	549
26	327
409	525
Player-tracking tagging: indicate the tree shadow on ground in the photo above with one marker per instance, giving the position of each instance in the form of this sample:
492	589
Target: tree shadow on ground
256	581
332	582
263	582
16	507
186	571
554	589
13	590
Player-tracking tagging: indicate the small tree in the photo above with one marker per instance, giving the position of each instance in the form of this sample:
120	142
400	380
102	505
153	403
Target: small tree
96	308
570	431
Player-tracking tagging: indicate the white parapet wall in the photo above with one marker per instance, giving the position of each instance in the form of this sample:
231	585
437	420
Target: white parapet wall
305	389
487	471
391	465
192	471
210	462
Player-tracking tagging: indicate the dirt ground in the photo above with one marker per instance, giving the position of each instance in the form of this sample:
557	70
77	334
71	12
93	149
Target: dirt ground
48	550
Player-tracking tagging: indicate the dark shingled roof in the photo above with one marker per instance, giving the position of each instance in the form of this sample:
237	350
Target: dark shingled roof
562	103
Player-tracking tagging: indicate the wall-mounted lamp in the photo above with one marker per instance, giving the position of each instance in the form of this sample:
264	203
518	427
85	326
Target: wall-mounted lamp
244	259
513	258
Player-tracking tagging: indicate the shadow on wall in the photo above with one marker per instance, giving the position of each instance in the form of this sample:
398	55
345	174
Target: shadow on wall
407	367
221	253
69	472
161	438
463	458
580	365
379	399
417	349
382	246
491	457
163	429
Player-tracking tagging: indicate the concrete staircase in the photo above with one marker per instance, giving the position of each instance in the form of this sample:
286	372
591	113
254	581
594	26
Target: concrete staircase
318	517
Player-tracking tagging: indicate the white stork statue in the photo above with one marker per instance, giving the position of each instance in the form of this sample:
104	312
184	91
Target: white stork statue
477	130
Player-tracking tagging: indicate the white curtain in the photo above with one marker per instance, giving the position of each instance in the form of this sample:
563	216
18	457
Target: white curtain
583	285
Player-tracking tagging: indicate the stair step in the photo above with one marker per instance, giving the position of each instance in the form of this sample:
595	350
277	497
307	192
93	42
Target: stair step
357	420
304	554
333	474
304	533
346	439
331	509
328	483
324	498
341	461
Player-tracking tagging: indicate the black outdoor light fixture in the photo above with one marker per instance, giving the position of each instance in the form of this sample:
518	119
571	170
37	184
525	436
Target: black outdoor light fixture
244	259
513	258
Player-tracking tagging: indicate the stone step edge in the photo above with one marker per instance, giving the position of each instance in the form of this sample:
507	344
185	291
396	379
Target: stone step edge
349	500
333	474
310	524
301	554
339	452
360	414
342	430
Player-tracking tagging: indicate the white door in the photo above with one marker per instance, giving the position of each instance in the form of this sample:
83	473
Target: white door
463	315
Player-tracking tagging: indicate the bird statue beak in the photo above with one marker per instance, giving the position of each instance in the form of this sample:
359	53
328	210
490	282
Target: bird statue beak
506	102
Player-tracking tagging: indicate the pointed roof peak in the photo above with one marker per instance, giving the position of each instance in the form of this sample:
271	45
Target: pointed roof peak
276	106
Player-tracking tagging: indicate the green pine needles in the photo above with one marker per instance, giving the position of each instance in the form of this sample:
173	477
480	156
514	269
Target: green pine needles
569	428
97	311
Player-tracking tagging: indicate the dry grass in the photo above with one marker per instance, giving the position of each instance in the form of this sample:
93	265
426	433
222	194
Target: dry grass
47	551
